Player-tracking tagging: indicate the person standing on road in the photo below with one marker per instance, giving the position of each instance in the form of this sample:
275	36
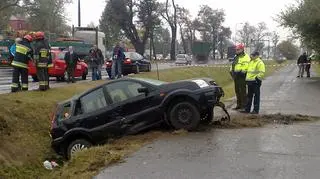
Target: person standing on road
302	60
238	71
308	65
71	59
23	54
42	59
117	59
97	61
255	74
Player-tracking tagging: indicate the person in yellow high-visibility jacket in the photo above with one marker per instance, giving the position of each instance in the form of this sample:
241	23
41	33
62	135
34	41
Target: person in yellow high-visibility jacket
255	74
238	71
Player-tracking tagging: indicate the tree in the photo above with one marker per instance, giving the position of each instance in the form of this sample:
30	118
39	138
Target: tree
162	41
223	41
111	30
91	24
288	50
123	13
187	30
259	35
247	33
47	15
304	19
171	18
7	8
209	24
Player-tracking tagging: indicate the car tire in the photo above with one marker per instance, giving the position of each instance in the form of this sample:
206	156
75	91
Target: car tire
207	119
84	75
35	78
76	146
184	115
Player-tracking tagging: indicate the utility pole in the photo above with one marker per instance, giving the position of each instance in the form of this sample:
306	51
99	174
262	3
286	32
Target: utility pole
79	14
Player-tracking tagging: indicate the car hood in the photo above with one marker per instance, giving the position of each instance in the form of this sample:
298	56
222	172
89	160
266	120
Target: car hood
191	84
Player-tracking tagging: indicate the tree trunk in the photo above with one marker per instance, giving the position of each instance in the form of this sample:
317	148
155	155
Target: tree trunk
153	46
140	48
173	43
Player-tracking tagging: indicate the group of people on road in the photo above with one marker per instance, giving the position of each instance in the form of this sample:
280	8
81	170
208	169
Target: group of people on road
247	73
304	65
22	52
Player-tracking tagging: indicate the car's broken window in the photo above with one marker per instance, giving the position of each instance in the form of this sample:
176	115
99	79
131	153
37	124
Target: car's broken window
64	112
124	90
93	101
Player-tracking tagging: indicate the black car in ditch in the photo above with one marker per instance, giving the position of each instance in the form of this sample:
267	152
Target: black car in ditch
128	106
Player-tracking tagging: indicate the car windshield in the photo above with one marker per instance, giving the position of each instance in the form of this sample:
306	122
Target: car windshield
61	55
151	81
133	55
181	56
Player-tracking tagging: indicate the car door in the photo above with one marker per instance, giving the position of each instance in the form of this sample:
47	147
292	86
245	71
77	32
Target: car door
134	106
98	116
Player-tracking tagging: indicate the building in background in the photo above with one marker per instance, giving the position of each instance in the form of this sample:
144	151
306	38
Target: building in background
18	23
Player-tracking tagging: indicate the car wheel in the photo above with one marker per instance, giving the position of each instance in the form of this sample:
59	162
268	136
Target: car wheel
184	115
208	117
137	69
35	78
84	75
76	146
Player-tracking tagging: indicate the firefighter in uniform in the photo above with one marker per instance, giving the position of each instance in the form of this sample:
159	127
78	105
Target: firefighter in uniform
255	74
23	54
43	60
238	71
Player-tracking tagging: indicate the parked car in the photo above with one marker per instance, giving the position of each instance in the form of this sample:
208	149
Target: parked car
59	67
183	59
134	63
129	105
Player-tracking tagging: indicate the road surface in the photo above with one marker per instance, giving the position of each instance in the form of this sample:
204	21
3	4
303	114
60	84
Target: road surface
6	76
276	151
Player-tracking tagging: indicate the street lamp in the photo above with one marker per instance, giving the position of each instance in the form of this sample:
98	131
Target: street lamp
79	14
235	31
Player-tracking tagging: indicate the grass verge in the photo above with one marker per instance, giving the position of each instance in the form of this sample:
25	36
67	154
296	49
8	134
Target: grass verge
24	125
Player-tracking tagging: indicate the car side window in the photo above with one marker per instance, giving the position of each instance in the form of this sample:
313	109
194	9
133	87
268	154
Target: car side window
93	101
123	90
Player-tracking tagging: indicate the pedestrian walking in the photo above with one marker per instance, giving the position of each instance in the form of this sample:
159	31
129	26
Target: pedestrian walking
301	62
42	59
308	65
117	59
238	71
96	61
71	59
23	54
255	74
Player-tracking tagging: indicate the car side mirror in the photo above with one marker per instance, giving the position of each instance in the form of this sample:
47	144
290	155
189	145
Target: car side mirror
143	90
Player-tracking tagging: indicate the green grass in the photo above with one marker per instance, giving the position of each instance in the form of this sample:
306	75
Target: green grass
25	121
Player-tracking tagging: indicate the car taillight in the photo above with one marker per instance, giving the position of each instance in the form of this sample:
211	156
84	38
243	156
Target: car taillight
108	63
128	61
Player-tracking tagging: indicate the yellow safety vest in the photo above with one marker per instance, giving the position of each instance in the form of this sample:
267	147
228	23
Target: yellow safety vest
242	64
256	69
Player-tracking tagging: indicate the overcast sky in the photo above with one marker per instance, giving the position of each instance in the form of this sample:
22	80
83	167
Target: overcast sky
237	11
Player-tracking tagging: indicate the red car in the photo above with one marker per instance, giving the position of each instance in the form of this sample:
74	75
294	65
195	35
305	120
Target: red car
59	67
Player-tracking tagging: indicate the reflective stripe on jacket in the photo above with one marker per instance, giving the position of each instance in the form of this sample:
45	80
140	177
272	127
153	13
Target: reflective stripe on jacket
256	69
241	64
23	54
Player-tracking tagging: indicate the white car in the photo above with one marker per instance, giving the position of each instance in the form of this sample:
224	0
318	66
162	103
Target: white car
183	59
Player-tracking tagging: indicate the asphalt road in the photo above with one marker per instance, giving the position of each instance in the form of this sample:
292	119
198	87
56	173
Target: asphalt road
6	76
273	152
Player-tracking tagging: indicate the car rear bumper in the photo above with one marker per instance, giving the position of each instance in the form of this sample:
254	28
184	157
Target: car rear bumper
128	68
56	145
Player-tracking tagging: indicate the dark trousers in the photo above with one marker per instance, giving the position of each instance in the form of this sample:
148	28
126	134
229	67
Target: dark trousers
241	90
47	78
95	74
253	92
308	70
42	77
17	72
70	71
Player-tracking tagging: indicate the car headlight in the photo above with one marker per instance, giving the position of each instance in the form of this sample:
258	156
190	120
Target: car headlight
201	83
